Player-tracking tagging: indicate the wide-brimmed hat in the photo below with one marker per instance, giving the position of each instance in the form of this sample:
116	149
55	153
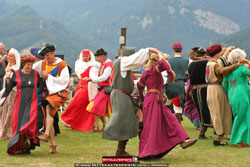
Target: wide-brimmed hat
46	49
127	51
34	52
100	52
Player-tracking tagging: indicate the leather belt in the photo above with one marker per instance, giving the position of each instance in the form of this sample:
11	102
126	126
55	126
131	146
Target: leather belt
154	91
200	86
215	83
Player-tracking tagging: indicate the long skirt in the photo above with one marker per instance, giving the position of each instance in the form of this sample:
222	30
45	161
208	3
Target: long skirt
102	104
5	116
76	114
220	109
161	131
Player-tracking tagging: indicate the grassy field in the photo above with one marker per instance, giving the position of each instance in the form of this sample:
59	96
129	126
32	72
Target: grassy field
80	147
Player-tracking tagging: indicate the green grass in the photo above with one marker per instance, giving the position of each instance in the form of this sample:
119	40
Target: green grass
80	147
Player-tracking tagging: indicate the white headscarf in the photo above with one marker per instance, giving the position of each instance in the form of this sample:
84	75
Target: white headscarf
14	67
81	66
17	57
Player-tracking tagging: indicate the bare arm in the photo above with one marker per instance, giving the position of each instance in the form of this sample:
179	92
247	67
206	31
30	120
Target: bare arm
154	50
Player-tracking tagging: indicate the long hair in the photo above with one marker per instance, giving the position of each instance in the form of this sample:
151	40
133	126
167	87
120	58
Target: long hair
152	61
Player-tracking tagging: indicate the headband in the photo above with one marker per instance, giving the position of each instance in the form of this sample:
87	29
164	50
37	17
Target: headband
28	59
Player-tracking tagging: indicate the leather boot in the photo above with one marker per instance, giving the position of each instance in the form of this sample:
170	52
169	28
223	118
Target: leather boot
120	152
140	129
179	117
202	132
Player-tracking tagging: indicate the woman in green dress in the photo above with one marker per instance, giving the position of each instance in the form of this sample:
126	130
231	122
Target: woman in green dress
236	85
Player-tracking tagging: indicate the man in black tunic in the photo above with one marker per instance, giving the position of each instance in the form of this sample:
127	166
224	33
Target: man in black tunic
197	71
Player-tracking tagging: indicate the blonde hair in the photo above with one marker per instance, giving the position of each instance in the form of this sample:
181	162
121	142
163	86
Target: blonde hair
2	44
236	55
192	54
165	56
152	61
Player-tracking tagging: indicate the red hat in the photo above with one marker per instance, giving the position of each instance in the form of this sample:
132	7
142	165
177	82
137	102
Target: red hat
214	49
85	52
177	45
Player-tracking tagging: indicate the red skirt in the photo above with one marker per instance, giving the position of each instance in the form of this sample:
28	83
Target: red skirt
102	105
76	114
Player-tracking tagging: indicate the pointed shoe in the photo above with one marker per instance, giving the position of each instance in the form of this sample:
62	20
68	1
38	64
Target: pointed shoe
44	137
188	143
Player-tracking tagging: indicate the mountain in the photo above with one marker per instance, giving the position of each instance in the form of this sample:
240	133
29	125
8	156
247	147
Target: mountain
161	23
5	7
240	39
157	23
23	27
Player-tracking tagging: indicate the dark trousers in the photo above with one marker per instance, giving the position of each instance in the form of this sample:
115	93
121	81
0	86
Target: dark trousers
200	100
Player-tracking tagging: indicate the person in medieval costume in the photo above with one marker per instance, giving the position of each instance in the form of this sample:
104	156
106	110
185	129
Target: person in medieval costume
55	72
40	116
101	104
236	85
75	116
123	124
190	110
197	73
217	100
161	131
3	57
176	90
7	105
24	115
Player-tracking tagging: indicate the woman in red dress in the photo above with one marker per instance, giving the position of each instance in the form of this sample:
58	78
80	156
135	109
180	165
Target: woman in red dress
75	115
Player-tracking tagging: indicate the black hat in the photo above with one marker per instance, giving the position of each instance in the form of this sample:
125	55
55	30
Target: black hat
46	49
100	52
199	50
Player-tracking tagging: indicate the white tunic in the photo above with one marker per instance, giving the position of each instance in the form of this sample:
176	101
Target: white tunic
135	60
106	73
54	84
